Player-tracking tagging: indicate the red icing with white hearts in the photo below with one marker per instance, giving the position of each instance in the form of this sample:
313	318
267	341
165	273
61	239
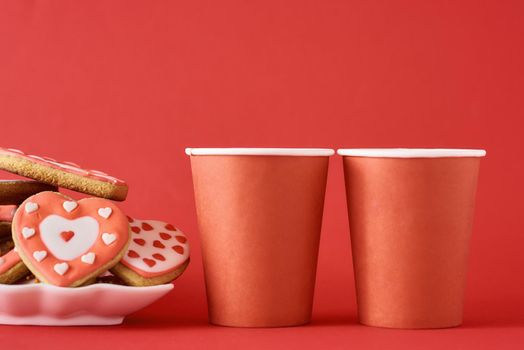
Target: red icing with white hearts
9	260
156	248
7	212
66	240
63	166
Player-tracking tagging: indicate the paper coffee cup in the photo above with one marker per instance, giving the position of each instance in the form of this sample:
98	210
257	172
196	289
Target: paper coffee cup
410	216
259	214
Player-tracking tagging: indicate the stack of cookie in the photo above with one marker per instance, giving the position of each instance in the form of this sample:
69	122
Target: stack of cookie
70	243
12	193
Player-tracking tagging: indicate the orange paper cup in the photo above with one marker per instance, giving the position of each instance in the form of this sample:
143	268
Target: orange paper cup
410	216
259	214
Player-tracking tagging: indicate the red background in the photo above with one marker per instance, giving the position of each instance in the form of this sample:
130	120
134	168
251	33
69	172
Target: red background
124	86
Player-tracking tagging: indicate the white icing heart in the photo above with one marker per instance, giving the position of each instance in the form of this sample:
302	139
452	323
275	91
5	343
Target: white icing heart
69	206
108	238
28	232
39	255
105	212
88	258
61	268
31	207
85	231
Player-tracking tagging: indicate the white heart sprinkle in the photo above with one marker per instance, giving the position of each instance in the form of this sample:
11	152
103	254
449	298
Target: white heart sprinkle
28	232
16	250
2	260
108	238
88	258
105	212
31	207
61	268
39	255
69	206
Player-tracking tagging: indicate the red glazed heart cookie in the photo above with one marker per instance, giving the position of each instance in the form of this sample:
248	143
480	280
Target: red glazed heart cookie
63	174
66	242
158	253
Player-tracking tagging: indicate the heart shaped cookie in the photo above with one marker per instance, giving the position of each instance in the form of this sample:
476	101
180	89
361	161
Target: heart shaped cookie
66	242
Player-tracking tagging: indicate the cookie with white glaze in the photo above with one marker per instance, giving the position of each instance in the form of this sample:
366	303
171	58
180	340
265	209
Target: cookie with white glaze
158	254
16	191
62	174
68	243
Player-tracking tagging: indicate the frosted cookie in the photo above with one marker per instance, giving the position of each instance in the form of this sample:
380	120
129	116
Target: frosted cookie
67	243
16	191
158	254
12	268
7	212
63	174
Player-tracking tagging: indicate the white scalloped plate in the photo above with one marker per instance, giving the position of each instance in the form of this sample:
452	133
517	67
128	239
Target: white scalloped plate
97	304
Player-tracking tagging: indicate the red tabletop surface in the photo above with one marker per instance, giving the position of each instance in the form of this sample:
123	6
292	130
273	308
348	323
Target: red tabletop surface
124	86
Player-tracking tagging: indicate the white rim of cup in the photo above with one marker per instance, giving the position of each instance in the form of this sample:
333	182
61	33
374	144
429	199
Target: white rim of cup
310	152
411	152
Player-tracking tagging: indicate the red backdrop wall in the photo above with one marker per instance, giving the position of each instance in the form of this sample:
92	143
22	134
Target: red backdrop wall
124	86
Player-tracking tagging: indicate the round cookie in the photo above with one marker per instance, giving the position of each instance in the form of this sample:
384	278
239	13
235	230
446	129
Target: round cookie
16	191
62	174
158	254
66	242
